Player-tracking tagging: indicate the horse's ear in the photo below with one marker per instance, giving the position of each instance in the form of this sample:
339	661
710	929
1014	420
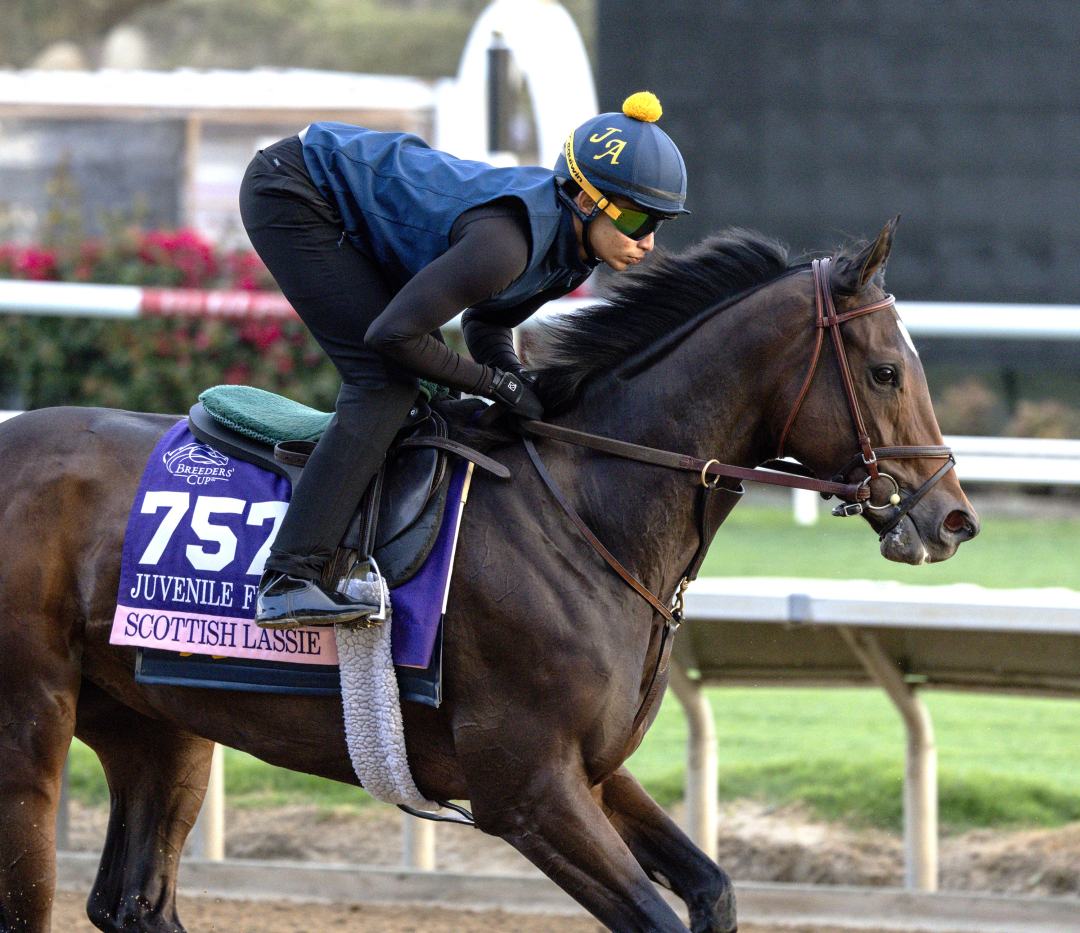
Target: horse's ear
853	274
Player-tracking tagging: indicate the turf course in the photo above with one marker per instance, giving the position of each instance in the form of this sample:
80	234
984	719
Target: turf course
1004	761
1009	552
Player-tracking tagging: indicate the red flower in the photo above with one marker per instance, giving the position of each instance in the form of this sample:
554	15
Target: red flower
261	334
36	263
183	250
248	271
237	375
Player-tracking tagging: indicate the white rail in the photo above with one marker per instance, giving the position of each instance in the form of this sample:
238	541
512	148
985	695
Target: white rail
985	627
923	318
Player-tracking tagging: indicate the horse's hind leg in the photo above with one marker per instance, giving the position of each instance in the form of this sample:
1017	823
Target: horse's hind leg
39	683
668	855
157	777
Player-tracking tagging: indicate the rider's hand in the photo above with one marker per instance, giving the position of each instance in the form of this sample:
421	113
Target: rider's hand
527	376
511	391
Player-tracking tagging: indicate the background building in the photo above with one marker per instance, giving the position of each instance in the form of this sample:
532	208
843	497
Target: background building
816	121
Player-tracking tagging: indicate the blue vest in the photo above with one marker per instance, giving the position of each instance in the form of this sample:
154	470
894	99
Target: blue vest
399	199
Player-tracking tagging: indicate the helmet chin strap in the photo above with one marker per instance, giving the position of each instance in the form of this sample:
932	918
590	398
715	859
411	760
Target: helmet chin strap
586	243
586	223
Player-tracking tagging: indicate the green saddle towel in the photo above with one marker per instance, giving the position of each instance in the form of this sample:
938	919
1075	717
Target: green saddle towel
264	416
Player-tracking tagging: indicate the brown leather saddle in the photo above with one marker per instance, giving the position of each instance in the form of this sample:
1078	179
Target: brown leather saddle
401	513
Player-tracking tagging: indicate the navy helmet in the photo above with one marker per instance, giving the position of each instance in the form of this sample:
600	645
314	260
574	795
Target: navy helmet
627	154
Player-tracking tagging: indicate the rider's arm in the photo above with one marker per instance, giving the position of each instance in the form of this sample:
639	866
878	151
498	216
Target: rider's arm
489	337
489	250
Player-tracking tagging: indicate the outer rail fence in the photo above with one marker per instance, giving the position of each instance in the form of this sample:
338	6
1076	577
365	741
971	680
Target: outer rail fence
923	318
72	299
999	640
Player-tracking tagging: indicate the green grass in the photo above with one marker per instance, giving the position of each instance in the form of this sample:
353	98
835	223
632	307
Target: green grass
1009	552
248	783
1003	761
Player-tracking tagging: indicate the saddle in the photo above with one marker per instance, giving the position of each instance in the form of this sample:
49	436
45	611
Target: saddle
400	514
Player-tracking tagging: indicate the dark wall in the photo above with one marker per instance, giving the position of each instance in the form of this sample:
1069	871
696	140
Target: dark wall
815	121
105	168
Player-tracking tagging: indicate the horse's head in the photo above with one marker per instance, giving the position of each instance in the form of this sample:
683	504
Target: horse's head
891	395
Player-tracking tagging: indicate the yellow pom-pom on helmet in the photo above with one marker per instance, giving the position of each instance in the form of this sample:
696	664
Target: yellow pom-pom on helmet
627	154
643	106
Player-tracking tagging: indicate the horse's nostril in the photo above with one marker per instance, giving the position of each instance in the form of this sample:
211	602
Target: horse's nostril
959	523
954	521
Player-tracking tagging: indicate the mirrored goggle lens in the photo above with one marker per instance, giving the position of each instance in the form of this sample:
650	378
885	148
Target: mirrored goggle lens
636	224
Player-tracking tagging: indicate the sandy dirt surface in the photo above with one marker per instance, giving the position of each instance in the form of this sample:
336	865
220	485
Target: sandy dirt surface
214	915
755	844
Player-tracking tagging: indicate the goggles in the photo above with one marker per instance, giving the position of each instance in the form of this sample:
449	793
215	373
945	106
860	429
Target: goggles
630	223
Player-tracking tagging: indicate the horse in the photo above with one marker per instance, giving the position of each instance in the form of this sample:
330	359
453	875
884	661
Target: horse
547	654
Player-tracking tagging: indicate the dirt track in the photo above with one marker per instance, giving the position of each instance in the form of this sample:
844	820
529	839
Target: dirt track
756	843
212	915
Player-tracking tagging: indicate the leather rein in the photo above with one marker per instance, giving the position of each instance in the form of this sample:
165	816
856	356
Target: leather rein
857	496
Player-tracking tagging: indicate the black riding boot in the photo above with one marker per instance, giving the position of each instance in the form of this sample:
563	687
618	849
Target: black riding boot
323	502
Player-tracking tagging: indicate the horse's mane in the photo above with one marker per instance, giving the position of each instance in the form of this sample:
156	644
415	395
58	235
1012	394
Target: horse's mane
647	303
667	293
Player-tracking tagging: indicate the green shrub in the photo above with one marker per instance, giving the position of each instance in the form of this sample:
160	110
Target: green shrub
154	365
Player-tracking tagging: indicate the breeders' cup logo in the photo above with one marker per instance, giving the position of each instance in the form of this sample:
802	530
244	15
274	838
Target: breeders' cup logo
198	464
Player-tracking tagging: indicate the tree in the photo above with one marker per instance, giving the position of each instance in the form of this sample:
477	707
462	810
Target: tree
31	26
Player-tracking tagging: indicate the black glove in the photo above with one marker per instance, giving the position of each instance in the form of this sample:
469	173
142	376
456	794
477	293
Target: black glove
528	377
511	391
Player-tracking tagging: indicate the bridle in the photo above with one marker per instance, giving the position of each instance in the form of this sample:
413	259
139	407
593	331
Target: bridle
868	456
856	496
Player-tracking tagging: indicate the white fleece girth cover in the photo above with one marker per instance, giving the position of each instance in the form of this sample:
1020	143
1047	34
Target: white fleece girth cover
372	704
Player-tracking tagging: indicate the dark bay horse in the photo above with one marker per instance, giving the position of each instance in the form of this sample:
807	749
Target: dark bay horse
547	653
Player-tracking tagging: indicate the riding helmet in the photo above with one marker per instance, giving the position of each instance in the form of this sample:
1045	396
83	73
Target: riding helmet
628	154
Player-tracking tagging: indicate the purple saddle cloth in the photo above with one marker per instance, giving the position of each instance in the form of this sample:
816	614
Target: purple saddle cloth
197	537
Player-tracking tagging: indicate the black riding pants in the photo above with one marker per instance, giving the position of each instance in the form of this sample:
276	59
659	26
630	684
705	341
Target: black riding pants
338	292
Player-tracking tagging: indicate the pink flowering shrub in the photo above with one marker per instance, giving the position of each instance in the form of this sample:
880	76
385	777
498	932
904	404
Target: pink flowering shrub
156	365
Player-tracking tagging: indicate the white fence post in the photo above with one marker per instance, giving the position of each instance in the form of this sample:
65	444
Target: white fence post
702	821
804	503
208	833
920	768
418	843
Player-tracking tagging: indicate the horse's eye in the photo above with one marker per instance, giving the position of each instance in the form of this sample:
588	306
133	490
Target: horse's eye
885	375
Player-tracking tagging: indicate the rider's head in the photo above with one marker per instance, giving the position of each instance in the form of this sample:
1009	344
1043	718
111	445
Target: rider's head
622	176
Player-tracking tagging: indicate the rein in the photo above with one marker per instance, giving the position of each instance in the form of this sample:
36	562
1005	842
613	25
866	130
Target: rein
858	495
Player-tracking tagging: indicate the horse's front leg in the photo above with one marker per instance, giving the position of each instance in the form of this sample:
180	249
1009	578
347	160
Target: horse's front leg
667	854
557	824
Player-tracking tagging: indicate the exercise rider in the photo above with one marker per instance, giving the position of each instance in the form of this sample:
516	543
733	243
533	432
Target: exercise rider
377	240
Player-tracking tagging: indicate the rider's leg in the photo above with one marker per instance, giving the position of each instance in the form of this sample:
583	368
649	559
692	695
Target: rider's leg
338	292
667	854
336	475
157	777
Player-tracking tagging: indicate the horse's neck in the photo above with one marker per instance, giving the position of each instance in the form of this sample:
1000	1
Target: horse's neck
704	399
